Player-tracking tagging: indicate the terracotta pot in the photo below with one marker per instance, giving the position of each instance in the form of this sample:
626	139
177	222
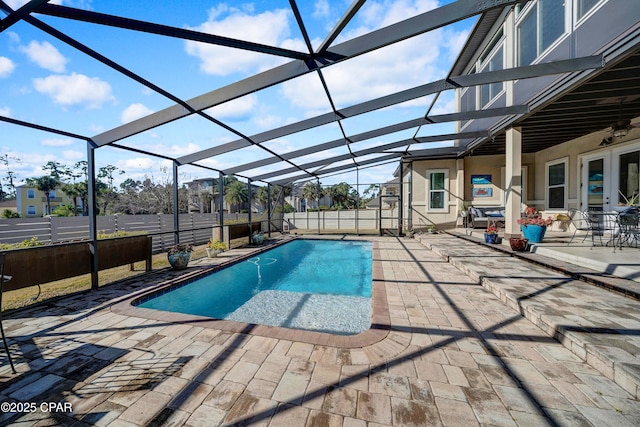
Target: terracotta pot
518	244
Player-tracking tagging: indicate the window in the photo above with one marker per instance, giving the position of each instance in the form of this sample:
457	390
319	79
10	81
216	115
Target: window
437	189
539	29
31	193
584	6
490	91
52	194
31	210
557	185
492	59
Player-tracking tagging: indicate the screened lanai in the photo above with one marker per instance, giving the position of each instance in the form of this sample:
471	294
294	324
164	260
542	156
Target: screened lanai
362	90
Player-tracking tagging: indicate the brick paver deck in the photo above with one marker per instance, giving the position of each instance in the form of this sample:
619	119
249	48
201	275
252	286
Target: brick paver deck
453	354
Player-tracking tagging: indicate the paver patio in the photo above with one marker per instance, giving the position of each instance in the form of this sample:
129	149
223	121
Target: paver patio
454	354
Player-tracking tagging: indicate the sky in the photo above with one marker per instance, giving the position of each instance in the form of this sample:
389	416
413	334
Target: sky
47	82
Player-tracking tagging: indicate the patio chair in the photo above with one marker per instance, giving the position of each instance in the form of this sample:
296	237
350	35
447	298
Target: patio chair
628	223
581	222
603	224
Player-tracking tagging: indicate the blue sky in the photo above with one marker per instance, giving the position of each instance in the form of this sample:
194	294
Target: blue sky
47	82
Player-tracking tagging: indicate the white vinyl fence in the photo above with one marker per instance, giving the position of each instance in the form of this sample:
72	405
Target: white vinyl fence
348	220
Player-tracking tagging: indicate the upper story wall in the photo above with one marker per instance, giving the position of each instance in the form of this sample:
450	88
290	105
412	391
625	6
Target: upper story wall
542	31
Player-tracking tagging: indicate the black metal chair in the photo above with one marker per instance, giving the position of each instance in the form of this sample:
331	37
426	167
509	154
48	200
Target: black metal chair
628	223
581	222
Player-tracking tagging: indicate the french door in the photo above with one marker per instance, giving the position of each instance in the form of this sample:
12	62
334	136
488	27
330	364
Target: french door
596	186
611	178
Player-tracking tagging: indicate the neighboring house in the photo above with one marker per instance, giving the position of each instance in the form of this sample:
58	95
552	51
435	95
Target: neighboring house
300	204
8	205
388	189
204	198
31	202
579	144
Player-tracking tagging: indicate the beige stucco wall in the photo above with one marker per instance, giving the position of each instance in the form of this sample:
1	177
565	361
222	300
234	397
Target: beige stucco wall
535	182
420	217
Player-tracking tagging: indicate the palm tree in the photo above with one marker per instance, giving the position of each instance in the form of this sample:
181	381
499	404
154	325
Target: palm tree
73	191
46	184
236	194
311	191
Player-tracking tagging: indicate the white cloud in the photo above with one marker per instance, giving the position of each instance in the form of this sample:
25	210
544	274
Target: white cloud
74	89
138	163
133	112
5	111
6	67
16	4
57	142
74	155
321	9
45	55
270	28
235	109
403	65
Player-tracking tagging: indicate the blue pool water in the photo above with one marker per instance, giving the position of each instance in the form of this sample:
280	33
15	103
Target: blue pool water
302	278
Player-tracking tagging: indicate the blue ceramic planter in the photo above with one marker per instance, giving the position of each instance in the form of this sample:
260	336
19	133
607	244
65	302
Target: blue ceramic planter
490	238
533	233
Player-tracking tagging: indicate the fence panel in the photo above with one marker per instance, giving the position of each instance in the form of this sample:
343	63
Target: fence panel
15	230
65	229
342	220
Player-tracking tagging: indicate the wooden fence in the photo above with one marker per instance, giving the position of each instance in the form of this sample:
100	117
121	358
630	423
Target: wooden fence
194	228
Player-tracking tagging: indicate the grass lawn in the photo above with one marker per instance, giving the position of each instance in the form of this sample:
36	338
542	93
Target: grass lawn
31	295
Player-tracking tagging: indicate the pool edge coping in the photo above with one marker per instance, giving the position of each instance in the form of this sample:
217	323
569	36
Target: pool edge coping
380	316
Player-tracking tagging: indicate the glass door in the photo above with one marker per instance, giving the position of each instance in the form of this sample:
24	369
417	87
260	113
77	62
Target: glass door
628	178
595	185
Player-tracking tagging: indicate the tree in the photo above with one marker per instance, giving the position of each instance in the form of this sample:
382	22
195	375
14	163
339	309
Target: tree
312	191
6	160
343	196
46	184
57	170
236	194
74	191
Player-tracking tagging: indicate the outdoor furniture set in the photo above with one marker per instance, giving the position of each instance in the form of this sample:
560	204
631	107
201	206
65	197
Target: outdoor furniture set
616	228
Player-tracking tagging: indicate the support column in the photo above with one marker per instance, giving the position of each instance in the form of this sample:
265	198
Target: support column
400	201
249	210
176	205
357	201
460	182
269	210
318	202
92	211
221	206
513	182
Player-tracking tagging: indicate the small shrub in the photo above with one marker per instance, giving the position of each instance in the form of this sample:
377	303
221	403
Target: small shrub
24	244
8	213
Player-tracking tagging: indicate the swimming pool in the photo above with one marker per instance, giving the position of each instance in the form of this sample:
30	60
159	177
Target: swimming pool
316	285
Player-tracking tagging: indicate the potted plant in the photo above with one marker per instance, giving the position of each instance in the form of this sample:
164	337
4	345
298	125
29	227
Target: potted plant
257	238
491	234
431	229
409	233
518	244
214	247
533	226
179	255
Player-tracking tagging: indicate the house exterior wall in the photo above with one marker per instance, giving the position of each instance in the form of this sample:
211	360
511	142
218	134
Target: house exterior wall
39	201
422	216
535	185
